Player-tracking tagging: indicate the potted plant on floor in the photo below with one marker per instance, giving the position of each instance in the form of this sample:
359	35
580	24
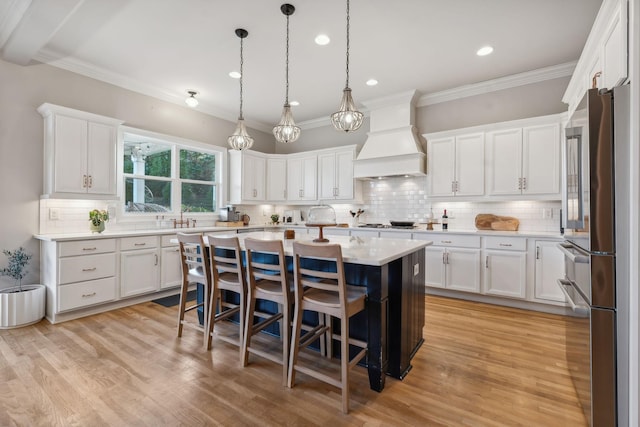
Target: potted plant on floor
20	305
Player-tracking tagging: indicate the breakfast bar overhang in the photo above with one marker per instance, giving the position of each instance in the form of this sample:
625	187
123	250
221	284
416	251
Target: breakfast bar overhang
393	271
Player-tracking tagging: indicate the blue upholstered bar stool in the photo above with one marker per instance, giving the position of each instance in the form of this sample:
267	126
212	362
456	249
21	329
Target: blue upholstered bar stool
328	294
195	269
227	274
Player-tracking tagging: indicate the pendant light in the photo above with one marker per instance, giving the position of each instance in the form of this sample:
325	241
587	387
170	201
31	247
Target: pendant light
240	140
347	118
286	131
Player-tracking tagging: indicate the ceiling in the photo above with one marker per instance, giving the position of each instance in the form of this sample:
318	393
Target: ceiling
164	48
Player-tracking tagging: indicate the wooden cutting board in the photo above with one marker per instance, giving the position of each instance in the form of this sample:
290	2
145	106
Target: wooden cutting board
496	222
229	223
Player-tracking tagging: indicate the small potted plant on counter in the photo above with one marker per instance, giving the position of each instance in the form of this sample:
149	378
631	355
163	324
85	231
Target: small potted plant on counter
20	305
97	220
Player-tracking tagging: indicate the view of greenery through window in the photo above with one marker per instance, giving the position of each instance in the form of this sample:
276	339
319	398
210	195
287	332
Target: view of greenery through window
154	188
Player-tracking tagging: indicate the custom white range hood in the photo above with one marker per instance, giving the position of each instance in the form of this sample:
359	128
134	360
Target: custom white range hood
393	146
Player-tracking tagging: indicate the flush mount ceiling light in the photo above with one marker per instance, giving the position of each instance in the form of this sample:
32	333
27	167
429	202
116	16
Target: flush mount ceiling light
240	140
191	100
294	103
347	118
372	82
484	51
234	75
286	131
322	39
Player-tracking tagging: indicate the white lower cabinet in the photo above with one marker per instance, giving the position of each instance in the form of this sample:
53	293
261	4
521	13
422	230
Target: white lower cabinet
505	266
139	265
453	262
170	263
549	268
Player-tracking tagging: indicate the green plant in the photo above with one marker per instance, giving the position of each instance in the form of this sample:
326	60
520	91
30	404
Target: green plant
275	218
18	261
97	217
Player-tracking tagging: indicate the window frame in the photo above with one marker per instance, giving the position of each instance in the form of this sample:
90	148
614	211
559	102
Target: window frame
175	143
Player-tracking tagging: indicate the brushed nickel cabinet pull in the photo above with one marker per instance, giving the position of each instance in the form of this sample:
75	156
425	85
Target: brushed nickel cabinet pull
537	252
506	244
156	263
92	294
524	183
84	181
443	258
445	241
447	257
90	181
486	262
139	244
89	269
89	249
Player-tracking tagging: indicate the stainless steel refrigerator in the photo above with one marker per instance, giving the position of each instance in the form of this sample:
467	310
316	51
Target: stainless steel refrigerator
597	145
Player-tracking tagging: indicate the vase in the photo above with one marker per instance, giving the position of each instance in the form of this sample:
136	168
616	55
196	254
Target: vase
22	308
96	228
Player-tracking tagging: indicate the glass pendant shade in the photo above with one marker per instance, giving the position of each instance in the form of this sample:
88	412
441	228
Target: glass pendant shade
286	131
240	140
347	118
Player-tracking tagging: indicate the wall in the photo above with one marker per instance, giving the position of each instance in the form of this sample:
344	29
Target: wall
325	136
23	89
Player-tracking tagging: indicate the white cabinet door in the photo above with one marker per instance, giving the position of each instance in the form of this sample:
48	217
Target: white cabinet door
441	166
435	267
344	175
505	273
327	176
541	159
70	154
614	50
138	272
276	179
170	268
469	165
463	269
302	178
253	173
504	151
101	159
549	268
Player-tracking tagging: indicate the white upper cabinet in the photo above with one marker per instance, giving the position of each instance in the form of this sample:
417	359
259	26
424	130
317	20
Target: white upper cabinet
336	175
524	160
302	178
604	62
247	176
79	153
277	179
456	165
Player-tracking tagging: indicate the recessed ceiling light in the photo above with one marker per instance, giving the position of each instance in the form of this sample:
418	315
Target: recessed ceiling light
294	103
372	82
234	75
322	39
485	50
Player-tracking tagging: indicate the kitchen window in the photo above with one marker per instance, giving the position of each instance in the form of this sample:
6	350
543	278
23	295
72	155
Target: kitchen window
161	175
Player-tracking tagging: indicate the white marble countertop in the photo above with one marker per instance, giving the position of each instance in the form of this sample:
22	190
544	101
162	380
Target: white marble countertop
356	250
421	229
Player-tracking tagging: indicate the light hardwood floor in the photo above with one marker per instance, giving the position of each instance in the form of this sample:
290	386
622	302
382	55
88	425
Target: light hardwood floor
481	365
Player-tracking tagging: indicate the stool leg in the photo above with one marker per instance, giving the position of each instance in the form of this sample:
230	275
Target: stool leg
248	328
344	363
182	306
285	334
211	318
241	319
295	340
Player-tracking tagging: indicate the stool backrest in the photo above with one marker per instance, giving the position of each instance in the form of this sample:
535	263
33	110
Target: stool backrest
310	265
225	257
269	265
194	259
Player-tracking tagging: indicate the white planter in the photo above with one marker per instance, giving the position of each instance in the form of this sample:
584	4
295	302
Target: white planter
22	308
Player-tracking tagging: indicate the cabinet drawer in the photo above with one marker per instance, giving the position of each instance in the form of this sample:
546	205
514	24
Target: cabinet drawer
446	240
87	247
166	240
89	267
396	234
83	294
142	242
506	243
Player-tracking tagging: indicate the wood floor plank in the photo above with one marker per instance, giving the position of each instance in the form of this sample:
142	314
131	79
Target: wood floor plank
481	365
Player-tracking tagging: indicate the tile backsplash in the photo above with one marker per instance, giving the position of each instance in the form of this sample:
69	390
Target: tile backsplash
390	199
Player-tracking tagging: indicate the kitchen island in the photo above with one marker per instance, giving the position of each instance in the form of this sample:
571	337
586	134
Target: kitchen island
392	270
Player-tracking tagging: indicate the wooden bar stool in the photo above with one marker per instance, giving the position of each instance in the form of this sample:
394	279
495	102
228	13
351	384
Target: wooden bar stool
195	269
328	294
268	280
227	274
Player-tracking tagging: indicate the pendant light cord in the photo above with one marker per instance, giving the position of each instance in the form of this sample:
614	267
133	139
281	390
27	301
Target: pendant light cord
348	25
241	74
286	96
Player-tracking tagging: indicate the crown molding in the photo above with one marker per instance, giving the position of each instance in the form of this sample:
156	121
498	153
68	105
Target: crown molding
515	80
88	70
